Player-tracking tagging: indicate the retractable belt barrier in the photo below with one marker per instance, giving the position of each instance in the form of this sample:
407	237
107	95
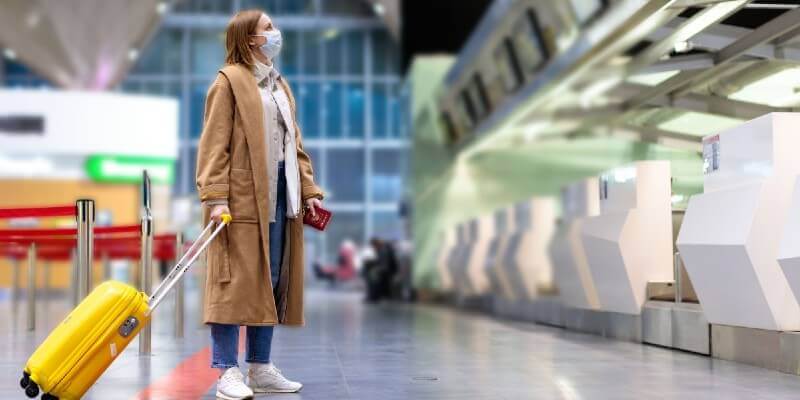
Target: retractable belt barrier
61	244
30	251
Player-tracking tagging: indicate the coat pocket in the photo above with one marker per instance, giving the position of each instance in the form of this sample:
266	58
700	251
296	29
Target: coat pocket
217	253
242	197
221	258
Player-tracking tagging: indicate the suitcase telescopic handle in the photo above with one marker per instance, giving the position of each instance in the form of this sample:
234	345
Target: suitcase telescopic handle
183	264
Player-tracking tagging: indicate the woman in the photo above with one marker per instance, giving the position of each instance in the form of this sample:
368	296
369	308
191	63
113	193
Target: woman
251	163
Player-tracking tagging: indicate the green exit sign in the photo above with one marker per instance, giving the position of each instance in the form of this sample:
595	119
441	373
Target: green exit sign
128	169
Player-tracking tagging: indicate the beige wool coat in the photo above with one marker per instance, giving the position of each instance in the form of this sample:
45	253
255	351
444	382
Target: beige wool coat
232	165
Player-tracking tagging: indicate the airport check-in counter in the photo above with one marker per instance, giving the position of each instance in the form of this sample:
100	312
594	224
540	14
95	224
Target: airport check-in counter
494	255
467	262
630	243
573	279
455	262
481	233
526	266
445	276
731	233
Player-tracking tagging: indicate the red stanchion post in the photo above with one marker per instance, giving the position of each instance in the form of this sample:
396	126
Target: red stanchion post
85	217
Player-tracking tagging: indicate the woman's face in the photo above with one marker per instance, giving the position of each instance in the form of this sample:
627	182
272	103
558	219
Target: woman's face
264	25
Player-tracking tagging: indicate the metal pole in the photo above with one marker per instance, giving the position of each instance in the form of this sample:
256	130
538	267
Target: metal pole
678	283
73	275
15	281
31	292
85	246
146	276
179	291
47	272
106	267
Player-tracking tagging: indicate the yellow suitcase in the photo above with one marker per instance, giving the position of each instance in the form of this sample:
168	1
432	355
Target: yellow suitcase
88	340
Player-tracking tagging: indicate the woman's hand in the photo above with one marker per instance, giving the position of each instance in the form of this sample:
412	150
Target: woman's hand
312	204
218	210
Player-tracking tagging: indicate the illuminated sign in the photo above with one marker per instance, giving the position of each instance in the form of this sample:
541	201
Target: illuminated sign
128	169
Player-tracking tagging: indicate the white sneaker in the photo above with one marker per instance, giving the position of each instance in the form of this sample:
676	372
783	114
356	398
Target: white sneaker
265	378
230	386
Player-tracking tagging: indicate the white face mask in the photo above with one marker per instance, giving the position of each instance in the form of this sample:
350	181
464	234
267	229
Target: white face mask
272	46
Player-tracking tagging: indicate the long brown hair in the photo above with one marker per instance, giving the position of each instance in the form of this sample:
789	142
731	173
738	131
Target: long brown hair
237	37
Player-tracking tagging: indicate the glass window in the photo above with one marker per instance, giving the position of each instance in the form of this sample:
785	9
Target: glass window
278	7
344	170
334	51
314	154
384	50
346	7
387	225
203	6
389	166
187	179
131	86
15	68
355	110
172	89
208	51
161	55
349	225
380	102
332	112
288	59
399	111
153	88
311	43
354	42
309	102
197	103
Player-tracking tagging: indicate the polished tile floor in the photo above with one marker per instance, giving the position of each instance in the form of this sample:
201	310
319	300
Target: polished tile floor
352	351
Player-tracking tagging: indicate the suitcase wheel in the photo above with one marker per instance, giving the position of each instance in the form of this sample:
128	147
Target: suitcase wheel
32	390
25	381
48	396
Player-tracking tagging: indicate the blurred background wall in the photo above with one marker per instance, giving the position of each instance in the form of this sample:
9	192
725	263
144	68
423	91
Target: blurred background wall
339	56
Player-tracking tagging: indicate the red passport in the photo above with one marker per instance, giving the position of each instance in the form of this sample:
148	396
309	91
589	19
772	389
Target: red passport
318	222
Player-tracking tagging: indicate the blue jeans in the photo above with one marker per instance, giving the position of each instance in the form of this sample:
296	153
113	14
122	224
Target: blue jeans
225	338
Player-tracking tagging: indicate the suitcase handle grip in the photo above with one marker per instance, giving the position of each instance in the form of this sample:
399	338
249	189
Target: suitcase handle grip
183	265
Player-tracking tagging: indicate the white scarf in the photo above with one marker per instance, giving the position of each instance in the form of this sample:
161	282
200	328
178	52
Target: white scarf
262	72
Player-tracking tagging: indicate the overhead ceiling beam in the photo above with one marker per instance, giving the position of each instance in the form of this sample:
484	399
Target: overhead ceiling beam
703	103
680	63
684	81
719	36
694	3
653	134
685	31
785	23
